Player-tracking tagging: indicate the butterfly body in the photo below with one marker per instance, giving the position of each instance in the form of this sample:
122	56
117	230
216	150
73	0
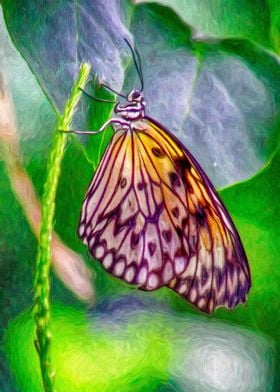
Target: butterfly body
152	217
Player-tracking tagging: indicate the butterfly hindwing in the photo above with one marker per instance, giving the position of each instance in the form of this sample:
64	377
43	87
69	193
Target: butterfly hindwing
152	217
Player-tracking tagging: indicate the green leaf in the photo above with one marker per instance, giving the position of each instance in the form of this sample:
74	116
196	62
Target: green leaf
224	19
275	24
232	79
54	39
220	98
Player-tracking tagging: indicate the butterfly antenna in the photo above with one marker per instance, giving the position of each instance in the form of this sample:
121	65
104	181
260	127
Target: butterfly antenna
113	91
140	69
96	99
137	62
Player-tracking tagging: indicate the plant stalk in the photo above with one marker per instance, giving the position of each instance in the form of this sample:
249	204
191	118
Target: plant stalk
43	260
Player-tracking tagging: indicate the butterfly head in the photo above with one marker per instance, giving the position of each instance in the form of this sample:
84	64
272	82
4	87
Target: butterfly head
134	107
135	96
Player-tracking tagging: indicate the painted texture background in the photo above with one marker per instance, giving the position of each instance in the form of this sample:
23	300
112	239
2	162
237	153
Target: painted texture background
212	76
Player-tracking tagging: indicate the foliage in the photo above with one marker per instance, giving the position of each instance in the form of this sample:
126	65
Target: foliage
211	75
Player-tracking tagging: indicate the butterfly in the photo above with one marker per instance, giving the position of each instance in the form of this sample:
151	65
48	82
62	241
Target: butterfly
152	217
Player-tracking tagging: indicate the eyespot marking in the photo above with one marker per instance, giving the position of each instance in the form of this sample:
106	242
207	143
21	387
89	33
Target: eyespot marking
158	152
167	235
135	239
175	212
152	247
123	183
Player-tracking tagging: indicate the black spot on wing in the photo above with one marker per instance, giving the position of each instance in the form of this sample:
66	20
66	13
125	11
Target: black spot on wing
141	186
179	232
183	164
175	212
200	216
174	179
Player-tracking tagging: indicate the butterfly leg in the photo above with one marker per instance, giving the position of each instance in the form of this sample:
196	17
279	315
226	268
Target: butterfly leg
115	121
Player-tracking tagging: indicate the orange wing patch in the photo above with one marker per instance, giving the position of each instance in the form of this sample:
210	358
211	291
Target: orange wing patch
217	273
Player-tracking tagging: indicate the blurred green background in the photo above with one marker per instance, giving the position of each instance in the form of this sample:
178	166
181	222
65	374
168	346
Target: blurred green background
212	75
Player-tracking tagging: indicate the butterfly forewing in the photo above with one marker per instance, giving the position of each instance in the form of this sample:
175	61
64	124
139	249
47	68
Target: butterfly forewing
152	217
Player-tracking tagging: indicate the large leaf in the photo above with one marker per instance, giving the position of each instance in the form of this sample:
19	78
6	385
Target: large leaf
217	98
275	24
55	38
224	19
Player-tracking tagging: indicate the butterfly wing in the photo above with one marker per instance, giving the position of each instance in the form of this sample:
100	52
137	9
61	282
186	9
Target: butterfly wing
153	218
217	273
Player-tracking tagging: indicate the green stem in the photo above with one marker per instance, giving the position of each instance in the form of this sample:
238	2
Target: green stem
43	261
